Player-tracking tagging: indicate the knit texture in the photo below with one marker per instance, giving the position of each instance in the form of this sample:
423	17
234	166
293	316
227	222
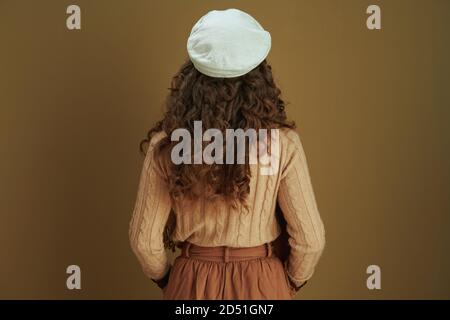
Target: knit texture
216	223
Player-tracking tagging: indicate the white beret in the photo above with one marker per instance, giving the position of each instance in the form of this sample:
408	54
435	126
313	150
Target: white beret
227	43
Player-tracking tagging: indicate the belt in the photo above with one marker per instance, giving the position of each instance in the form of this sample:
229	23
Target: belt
225	253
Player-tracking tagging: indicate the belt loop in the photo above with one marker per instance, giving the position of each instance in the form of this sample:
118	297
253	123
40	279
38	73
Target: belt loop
269	249
226	254
186	249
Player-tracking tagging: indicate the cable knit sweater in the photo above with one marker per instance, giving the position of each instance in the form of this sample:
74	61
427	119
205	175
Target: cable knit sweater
216	223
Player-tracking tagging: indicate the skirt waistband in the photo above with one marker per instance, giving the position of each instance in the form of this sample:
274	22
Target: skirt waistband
225	253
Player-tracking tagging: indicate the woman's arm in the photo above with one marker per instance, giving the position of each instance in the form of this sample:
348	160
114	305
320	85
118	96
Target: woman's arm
304	225
150	215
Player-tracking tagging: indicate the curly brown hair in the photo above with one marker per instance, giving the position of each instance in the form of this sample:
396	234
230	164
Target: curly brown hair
249	101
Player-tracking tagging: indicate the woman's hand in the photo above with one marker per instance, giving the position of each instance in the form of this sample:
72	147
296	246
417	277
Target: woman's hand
162	283
294	288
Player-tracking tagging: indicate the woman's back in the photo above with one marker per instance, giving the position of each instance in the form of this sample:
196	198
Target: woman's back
216	223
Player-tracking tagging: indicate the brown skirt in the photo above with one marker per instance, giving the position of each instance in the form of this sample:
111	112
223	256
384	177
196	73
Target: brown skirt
227	273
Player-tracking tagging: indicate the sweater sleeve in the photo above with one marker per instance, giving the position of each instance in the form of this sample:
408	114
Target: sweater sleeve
151	212
304	225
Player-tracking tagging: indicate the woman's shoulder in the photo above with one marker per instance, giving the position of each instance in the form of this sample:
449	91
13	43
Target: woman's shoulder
153	140
157	136
289	137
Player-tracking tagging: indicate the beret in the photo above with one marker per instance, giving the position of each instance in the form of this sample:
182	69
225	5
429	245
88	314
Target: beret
227	43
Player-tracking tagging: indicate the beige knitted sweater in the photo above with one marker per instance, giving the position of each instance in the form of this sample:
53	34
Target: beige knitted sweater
216	223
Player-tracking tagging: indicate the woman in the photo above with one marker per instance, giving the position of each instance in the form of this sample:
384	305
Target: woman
223	214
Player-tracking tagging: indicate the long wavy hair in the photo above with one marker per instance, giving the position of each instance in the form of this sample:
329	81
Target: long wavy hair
251	101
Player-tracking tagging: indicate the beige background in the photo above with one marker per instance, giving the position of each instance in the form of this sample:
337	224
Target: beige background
372	108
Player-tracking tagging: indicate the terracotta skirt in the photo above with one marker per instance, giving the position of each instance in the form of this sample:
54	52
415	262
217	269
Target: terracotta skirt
227	273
